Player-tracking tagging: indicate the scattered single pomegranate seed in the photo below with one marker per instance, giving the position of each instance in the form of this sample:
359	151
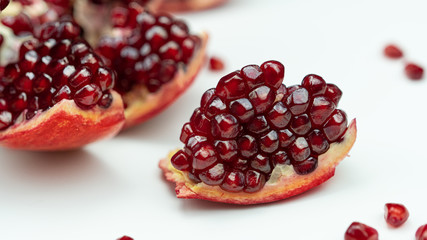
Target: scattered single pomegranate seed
3	4
216	64
392	51
421	233
125	238
56	65
395	214
251	122
414	71
360	231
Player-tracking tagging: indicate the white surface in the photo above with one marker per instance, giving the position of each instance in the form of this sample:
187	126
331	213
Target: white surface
113	188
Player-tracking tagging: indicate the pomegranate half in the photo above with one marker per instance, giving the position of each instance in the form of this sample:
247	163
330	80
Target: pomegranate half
254	140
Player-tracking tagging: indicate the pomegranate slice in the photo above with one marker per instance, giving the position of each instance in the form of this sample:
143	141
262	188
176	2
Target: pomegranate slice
58	95
252	140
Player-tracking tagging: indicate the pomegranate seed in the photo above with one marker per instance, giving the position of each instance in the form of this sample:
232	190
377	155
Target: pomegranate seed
360	231
225	126
87	96
248	146
336	125
318	142
298	101
395	214
106	100
321	109
234	181
299	150
254	181
216	64
125	238
307	166
421	233
261	163
187	131
262	98
414	71
214	175
314	84
333	93
279	116
300	125
227	150
392	51
274	72
181	161
204	157
242	108
63	93
80	78
253	76
249	124
231	87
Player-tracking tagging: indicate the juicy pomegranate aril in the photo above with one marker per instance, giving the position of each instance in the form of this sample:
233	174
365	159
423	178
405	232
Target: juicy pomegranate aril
252	140
360	231
155	56
53	99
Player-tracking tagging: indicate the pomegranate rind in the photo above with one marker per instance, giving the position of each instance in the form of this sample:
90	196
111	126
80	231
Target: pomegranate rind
283	183
144	105
65	126
185	6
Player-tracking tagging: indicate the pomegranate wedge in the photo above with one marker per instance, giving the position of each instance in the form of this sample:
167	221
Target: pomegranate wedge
254	140
58	94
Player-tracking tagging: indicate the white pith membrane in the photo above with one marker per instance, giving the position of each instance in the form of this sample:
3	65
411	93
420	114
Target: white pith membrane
283	182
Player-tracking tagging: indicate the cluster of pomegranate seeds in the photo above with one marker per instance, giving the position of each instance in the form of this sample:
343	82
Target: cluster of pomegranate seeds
3	4
360	231
395	214
421	233
56	65
251	122
151	49
216	64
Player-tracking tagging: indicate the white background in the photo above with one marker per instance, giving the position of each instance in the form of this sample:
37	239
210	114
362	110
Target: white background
115	187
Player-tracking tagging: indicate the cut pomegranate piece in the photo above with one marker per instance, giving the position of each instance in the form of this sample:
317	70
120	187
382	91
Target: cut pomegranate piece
360	231
265	146
414	71
61	107
216	64
395	214
421	233
393	51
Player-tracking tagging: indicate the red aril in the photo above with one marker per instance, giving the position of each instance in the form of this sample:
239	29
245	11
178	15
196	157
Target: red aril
395	214
393	51
216	64
421	233
414	71
360	231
